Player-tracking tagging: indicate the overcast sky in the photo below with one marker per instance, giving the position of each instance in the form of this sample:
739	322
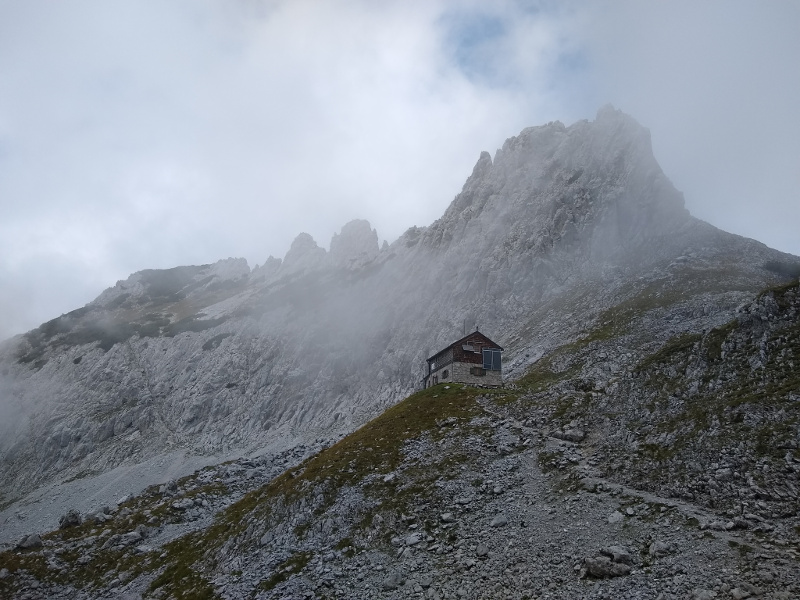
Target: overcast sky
149	134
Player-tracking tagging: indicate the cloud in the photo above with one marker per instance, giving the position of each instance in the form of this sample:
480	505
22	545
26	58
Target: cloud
148	134
716	84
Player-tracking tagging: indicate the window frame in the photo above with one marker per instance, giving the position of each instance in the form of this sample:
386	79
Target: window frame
495	359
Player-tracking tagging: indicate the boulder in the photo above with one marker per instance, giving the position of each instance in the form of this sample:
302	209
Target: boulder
130	538
183	504
602	566
414	539
618	554
615	517
29	542
573	435
701	594
659	549
393	581
499	521
71	519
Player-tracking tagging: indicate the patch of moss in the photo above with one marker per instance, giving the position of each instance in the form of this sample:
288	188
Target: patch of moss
542	376
657	452
180	579
81	475
571	406
678	345
548	461
743	549
376	447
6	502
106	332
345	545
291	566
767	437
501	396
715	338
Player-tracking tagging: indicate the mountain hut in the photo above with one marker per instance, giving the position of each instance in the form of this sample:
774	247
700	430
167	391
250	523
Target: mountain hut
474	359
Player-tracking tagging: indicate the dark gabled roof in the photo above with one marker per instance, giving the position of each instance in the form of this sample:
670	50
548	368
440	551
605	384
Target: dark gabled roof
462	340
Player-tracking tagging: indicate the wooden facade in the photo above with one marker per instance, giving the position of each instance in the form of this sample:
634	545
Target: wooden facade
474	359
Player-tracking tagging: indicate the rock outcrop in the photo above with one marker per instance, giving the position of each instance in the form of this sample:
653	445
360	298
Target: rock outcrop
356	246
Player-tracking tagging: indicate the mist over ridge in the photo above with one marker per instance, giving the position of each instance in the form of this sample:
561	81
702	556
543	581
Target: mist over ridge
560	225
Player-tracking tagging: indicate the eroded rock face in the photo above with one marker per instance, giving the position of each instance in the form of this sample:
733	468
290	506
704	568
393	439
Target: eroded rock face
355	246
71	519
563	223
303	254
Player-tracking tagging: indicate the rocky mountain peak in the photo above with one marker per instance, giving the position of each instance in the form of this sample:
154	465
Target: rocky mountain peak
230	268
304	253
270	267
589	191
481	167
355	246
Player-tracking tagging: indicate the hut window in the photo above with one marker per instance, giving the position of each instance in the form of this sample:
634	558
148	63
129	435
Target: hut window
491	359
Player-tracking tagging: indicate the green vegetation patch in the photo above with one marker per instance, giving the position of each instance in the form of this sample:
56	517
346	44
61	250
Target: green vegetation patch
179	579
32	562
377	446
716	337
549	461
67	331
678	346
291	566
542	374
782	294
569	407
743	549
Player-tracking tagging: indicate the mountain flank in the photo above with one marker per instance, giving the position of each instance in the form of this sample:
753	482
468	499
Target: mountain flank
644	444
540	489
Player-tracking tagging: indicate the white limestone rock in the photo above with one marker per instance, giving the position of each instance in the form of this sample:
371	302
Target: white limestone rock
266	271
356	245
304	254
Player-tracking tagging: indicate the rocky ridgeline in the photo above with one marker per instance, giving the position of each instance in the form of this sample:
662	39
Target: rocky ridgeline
543	489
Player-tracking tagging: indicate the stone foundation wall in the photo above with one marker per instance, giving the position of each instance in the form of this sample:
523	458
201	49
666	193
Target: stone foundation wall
459	373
